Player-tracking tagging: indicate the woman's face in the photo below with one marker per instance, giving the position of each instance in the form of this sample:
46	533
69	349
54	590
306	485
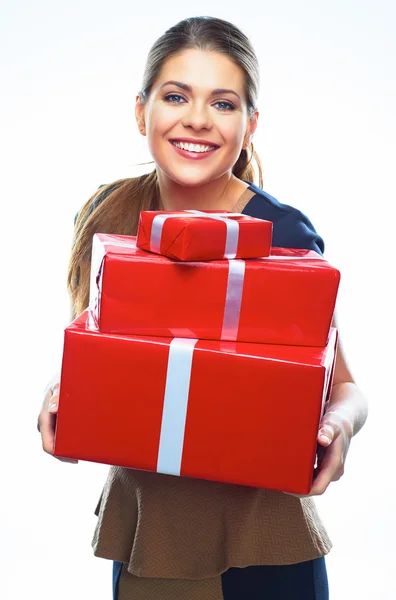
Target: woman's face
198	98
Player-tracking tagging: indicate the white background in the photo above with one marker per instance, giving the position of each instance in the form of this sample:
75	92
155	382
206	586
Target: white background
69	75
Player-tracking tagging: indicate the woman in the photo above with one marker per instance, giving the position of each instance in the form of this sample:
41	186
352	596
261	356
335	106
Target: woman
177	538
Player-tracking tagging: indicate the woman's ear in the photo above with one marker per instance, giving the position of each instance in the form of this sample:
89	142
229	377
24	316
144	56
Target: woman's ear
139	114
251	128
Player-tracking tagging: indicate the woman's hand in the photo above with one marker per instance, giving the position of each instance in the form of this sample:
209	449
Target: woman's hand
47	419
334	438
344	415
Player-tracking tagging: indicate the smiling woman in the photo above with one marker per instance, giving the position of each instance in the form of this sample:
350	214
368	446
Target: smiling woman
172	537
198	110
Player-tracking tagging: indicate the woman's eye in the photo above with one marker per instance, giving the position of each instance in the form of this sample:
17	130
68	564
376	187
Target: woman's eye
228	105
169	96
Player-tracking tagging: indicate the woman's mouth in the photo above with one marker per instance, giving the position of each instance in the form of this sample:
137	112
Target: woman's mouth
193	151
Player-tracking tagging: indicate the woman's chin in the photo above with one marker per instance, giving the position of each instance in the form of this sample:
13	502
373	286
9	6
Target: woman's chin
190	177
190	180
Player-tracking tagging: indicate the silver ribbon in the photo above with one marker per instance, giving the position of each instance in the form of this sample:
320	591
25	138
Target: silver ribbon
232	308
174	413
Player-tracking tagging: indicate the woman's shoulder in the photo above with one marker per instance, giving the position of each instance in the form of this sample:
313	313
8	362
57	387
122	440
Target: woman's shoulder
291	227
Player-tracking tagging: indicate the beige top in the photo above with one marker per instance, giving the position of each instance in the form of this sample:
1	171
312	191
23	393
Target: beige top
164	526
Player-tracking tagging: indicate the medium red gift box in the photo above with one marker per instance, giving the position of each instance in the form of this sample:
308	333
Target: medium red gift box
287	298
203	235
232	412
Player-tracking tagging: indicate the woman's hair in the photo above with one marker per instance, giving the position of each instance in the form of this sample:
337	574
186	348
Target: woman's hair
116	207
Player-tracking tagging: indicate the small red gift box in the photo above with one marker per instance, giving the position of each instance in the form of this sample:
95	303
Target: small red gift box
232	412
287	298
203	235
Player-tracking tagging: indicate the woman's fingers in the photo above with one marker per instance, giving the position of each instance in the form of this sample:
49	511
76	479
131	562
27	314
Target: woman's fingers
53	399
74	461
47	421
331	467
326	435
334	437
47	424
331	459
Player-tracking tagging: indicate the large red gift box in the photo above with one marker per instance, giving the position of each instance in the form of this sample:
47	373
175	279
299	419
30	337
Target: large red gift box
203	235
232	412
286	298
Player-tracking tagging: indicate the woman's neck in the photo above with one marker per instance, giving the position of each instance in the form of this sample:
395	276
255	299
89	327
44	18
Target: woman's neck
221	194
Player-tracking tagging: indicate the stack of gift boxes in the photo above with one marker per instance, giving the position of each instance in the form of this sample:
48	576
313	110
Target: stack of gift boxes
195	358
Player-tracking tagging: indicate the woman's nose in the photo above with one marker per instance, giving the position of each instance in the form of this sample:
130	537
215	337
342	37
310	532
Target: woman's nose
197	116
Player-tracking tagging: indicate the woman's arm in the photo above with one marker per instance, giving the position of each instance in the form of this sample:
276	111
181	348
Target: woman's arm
345	414
346	398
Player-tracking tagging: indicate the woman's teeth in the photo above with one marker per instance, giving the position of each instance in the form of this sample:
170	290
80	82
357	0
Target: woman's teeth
193	147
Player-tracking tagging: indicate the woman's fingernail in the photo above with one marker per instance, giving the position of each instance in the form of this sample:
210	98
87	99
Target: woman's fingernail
52	407
325	439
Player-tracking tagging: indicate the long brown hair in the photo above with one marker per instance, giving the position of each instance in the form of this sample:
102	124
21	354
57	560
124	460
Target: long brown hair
115	208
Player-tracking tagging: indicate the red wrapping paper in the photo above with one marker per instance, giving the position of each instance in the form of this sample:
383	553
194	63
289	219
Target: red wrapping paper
286	299
252	411
190	238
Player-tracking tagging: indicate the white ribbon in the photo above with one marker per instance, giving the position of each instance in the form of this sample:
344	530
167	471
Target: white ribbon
232	231
177	388
232	308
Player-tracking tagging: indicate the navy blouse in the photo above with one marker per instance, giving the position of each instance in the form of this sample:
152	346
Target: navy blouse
291	227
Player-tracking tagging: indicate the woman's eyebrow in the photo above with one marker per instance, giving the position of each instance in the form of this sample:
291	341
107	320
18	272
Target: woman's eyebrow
188	88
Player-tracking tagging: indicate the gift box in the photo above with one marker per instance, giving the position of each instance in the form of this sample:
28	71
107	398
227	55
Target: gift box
286	298
203	235
233	412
